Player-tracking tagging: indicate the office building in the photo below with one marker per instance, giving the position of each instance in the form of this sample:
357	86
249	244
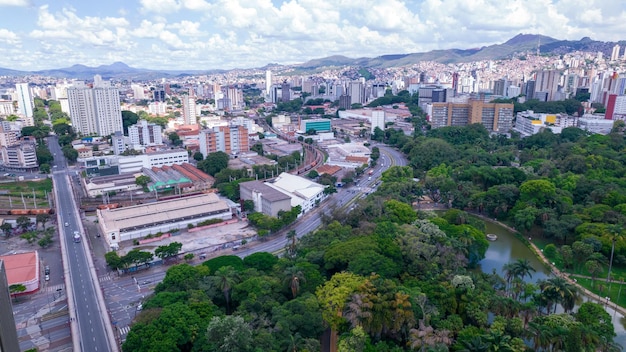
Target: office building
95	111
285	92
8	332
138	91
144	134
6	108
317	125
345	102
266	199
228	139
24	99
158	95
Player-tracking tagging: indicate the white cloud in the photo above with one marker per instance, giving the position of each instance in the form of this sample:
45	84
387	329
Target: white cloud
160	6
6	36
15	3
187	28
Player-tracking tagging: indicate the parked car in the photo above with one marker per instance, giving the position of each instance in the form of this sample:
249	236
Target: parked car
47	277
47	270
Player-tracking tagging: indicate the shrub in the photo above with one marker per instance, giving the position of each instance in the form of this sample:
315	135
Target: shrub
550	251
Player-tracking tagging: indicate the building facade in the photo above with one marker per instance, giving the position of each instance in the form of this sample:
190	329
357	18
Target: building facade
24	99
95	110
495	117
144	133
227	139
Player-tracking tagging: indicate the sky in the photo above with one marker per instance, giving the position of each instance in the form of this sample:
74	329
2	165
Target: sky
226	34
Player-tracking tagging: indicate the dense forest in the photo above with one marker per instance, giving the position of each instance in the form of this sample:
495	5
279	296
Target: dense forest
389	277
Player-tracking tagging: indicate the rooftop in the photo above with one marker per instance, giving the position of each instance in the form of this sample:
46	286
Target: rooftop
21	267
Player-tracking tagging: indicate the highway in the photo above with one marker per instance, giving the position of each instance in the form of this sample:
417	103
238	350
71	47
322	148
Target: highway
90	324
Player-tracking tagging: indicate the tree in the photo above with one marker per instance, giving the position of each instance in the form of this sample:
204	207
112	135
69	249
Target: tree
214	163
16	289
113	260
294	277
44	168
168	251
142	180
226	277
6	229
43	219
229	334
197	156
129	118
175	138
593	268
261	261
23	222
46	240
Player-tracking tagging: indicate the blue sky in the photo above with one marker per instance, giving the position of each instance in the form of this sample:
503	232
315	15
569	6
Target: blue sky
207	34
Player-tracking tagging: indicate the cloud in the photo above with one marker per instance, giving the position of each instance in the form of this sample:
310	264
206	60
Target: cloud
6	36
22	3
160	6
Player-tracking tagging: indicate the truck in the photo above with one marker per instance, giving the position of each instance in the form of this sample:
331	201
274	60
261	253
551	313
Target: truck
76	237
371	172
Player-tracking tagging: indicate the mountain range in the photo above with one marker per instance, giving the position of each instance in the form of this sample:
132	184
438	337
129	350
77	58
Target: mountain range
517	45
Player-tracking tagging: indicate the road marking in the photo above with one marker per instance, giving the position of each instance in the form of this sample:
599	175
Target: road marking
105	278
124	330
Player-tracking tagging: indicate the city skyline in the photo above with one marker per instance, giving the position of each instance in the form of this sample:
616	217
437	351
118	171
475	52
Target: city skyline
227	34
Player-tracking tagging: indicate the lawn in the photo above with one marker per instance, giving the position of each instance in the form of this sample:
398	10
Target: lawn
602	289
11	194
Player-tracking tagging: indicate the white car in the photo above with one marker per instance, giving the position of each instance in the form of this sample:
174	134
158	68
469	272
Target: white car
66	224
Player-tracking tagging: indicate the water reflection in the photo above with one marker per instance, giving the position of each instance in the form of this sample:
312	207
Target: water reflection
508	248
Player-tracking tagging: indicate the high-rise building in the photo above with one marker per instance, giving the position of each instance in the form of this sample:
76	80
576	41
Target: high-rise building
117	143
615	53
144	133
356	90
227	139
8	332
95	110
189	108
158	94
285	92
548	81
345	102
24	99
268	82
138	91
378	120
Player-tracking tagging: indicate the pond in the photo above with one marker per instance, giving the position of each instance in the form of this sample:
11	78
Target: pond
508	248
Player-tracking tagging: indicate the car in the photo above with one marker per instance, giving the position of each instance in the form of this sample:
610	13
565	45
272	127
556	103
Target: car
47	270
66	224
47	277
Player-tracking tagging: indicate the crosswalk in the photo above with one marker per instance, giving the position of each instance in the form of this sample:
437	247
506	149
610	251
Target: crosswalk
105	278
124	330
54	288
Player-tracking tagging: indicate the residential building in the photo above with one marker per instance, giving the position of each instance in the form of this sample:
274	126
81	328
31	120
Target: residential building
356	91
21	156
615	53
268	83
6	108
144	134
228	139
548	81
24	99
117	143
157	108
95	110
158	95
113	164
285	92
189	108
495	117
377	120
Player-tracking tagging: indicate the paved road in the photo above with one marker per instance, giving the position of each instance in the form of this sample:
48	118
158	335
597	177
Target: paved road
91	327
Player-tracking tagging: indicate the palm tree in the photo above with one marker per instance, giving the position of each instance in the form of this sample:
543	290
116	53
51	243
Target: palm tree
616	234
294	276
226	277
475	344
403	316
523	268
359	311
558	290
540	335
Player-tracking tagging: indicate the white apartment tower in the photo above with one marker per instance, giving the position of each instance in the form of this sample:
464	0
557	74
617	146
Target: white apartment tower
24	99
189	108
268	82
95	110
144	133
615	53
